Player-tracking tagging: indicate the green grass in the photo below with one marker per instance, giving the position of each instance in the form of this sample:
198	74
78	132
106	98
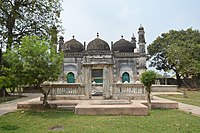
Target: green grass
193	98
168	121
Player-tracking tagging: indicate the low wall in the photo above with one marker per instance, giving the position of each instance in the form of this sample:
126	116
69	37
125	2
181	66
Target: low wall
164	88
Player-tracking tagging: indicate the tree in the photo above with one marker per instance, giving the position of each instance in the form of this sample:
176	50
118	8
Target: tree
20	18
148	78
186	58
34	62
158	50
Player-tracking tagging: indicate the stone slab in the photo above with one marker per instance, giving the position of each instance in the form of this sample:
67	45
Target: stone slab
110	102
135	108
66	97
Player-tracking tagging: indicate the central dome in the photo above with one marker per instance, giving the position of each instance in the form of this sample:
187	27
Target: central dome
98	44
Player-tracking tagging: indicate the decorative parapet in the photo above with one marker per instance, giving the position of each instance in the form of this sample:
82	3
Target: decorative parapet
126	54
64	88
75	54
98	52
129	88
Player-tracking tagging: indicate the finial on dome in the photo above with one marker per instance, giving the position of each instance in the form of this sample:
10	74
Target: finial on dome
61	38
133	37
97	35
141	28
73	36
122	36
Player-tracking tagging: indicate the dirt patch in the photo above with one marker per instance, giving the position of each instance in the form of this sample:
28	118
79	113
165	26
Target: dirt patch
56	128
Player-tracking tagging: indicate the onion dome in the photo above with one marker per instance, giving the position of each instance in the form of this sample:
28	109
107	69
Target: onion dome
123	46
98	45
73	46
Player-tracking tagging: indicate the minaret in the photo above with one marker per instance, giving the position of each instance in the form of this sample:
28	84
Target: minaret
142	51
133	41
141	40
61	43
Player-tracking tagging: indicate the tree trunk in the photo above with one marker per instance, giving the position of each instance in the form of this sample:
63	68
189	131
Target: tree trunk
149	99
178	79
45	93
45	102
3	92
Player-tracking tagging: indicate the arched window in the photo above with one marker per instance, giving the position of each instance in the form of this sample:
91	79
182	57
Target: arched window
125	77
70	78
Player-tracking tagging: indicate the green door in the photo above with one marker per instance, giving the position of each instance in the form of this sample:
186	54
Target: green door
70	78
125	77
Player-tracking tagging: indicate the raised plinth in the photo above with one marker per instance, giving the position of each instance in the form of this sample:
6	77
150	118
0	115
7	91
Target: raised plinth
110	102
164	88
111	107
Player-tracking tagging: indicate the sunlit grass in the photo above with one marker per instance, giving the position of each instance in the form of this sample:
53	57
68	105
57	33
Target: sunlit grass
193	98
41	121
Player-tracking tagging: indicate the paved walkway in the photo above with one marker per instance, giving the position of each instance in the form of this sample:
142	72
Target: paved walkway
195	110
11	106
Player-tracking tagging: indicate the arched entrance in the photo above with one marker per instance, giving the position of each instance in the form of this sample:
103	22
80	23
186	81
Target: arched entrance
125	77
70	78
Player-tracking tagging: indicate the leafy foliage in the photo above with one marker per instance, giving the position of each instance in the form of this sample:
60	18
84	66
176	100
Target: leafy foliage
148	78
177	50
186	58
20	18
35	61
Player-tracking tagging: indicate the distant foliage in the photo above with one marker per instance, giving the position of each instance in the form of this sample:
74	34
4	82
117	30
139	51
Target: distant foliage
178	51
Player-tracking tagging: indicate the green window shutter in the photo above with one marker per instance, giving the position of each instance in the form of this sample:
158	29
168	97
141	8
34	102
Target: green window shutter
70	78
125	77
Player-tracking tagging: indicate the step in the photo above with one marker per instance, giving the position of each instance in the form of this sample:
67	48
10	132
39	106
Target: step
66	107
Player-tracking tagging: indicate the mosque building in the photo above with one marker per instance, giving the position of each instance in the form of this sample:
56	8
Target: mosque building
98	66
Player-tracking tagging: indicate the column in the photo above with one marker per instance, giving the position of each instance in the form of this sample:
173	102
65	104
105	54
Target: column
106	82
87	80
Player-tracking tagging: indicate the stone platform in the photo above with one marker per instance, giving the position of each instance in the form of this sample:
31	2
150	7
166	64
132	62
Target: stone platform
101	107
111	107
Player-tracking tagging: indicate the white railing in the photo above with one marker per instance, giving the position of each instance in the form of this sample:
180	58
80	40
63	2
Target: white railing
64	88
129	88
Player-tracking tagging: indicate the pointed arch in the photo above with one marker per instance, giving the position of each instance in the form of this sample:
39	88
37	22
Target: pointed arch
125	77
70	77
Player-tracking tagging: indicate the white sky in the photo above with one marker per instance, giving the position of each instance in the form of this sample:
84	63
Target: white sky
113	18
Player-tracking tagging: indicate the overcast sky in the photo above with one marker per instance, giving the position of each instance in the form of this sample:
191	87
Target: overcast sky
113	18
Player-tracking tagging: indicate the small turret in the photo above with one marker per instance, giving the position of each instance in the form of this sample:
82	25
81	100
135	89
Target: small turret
141	35
61	43
133	41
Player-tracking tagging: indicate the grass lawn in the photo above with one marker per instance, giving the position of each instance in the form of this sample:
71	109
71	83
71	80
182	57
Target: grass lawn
168	121
193	98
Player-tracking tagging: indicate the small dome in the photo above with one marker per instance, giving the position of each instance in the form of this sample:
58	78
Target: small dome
123	46
73	46
98	44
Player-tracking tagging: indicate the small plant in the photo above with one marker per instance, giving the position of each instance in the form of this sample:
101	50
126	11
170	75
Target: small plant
148	78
